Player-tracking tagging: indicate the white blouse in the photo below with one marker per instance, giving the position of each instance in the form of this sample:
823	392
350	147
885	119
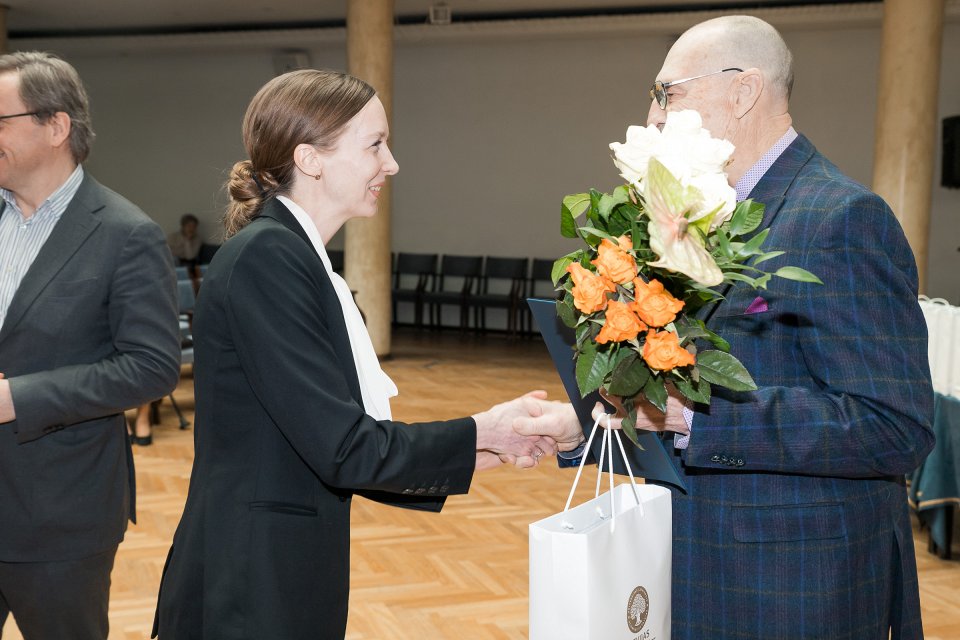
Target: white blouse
376	387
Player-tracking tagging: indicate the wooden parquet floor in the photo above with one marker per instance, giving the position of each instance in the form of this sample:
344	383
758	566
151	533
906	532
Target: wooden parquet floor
460	574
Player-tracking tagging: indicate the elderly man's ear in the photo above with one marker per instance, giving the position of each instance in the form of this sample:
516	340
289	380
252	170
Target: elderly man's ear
748	90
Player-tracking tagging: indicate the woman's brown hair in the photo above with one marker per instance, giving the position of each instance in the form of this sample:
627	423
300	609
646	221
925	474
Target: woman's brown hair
301	107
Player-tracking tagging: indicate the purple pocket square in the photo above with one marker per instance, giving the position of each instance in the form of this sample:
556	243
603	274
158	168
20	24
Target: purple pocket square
759	305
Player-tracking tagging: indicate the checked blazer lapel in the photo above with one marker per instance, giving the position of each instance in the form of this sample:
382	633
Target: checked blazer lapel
771	191
71	231
773	186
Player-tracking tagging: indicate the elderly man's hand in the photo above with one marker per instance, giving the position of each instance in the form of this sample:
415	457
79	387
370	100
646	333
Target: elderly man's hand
649	418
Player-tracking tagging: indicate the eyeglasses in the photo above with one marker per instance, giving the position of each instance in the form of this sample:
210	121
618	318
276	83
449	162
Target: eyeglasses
20	115
659	90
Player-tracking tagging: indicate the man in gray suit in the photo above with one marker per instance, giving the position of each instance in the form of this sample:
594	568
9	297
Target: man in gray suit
88	328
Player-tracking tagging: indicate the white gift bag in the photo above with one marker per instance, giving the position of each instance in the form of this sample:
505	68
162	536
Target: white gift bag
601	571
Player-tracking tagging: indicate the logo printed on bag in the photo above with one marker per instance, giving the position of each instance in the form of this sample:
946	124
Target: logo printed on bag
638	608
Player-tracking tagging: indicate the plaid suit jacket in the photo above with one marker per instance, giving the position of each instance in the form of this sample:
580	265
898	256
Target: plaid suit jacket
796	524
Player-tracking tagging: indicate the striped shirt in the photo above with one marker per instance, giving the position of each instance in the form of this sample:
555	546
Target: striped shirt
22	238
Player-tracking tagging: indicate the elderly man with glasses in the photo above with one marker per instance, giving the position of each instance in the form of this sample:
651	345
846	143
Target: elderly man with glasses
795	522
810	536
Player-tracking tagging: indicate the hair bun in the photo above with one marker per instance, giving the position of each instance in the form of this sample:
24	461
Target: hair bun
246	197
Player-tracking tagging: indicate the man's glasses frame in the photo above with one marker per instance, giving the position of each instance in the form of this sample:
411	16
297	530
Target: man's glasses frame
20	115
658	91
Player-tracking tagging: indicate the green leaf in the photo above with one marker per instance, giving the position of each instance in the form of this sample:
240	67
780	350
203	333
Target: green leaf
608	202
724	243
622	193
798	274
689	328
746	217
703	223
573	206
739	277
692	329
656	392
715	339
629	376
752	247
565	311
629	427
623	352
592	368
560	266
585	358
695	391
584	333
720	368
593	213
597	233
767	256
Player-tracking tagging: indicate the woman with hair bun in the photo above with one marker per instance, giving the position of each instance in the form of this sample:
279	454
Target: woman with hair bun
293	410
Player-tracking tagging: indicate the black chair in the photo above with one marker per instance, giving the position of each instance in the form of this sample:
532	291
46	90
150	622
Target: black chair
457	280
540	285
186	301
502	286
412	276
206	253
336	260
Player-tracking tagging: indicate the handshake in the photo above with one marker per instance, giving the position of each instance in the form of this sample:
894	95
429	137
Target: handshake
523	430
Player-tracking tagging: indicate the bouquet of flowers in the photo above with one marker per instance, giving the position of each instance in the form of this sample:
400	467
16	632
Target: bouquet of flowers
656	249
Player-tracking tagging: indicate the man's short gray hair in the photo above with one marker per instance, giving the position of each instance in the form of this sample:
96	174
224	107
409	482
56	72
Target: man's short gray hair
49	85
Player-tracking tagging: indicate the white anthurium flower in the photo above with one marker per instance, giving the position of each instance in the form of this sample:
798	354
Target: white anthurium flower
717	196
688	152
671	236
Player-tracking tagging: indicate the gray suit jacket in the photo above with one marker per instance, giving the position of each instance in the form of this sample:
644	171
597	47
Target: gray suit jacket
92	330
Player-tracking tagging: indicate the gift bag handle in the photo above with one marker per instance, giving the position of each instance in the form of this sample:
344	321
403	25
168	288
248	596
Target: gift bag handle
605	448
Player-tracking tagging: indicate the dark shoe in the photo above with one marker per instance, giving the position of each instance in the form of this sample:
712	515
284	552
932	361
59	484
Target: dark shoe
143	441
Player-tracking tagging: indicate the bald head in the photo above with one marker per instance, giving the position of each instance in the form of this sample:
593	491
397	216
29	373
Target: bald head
741	41
737	73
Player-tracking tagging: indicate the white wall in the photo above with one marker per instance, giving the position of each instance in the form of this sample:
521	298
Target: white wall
490	132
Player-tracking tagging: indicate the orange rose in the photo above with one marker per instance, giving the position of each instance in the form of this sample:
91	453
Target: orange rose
654	304
662	351
589	290
622	324
614	263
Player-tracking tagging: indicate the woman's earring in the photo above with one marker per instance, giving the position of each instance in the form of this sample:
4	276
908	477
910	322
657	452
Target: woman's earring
316	177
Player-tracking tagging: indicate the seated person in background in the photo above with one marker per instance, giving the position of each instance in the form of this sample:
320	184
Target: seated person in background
185	243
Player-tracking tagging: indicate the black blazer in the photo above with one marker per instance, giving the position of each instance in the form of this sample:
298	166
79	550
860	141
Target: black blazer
282	443
92	330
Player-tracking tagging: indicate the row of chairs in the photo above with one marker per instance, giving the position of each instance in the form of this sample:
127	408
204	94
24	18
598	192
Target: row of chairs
431	282
471	284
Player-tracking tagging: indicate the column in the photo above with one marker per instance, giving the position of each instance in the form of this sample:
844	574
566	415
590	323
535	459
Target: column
3	29
905	139
367	249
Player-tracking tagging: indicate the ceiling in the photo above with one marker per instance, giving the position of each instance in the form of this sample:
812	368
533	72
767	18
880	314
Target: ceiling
51	18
